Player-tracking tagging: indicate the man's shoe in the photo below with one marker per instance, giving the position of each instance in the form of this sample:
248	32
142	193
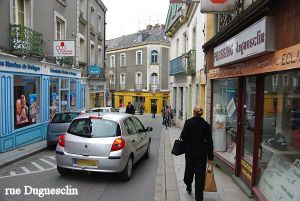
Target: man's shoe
189	188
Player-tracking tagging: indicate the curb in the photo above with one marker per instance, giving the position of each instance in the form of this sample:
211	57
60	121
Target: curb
166	184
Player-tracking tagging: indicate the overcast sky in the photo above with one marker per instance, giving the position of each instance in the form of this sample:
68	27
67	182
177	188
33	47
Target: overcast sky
127	17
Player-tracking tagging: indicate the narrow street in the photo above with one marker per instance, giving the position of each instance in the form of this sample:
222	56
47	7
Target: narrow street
39	171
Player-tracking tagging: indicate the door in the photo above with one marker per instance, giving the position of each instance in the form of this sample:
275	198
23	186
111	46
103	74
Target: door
247	129
142	135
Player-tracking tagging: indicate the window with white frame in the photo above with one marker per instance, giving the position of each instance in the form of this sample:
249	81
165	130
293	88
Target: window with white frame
93	17
82	52
123	59
99	20
112	79
83	8
154	79
138	58
122	81
138	81
60	28
21	12
92	54
112	61
154	57
99	56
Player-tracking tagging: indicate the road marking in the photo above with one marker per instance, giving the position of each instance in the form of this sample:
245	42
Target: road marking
37	166
13	173
52	157
25	170
49	163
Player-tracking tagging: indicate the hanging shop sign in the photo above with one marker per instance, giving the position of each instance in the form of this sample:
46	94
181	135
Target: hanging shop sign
285	59
256	39
217	6
63	48
94	70
58	71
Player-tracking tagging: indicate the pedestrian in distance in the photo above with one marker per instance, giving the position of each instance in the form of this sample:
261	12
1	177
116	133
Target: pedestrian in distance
153	109
130	109
167	116
198	147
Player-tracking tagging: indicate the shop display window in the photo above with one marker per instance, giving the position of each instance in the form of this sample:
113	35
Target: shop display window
54	96
26	100
224	123
73	95
279	177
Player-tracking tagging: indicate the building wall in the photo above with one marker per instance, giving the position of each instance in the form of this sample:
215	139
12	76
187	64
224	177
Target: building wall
165	69
4	24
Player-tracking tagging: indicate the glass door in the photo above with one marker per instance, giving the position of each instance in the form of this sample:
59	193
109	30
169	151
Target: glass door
248	125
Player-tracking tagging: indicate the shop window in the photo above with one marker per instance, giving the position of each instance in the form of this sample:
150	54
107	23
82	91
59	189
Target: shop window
54	96
224	124
73	95
27	100
280	147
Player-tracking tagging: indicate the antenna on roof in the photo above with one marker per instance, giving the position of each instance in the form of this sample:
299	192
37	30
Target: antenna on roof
139	24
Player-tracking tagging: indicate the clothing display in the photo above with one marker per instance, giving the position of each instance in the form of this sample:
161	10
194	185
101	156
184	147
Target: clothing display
220	132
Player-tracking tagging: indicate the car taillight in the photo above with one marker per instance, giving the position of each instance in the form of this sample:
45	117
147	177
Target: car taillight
118	144
61	140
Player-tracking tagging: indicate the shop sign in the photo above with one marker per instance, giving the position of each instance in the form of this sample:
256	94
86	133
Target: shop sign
63	48
217	6
281	180
58	71
256	39
285	59
15	66
246	169
94	70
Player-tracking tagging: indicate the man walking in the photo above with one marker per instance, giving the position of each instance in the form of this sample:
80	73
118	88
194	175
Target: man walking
130	109
197	138
153	109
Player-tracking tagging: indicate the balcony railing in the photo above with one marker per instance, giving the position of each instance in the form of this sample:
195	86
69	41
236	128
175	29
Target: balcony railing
138	87
122	86
178	66
25	41
65	60
154	87
112	87
191	67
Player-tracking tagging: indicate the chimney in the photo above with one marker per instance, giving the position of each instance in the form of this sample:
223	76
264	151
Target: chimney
140	36
156	26
149	26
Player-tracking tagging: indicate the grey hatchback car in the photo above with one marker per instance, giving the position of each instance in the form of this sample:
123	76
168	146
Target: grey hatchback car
111	142
58	126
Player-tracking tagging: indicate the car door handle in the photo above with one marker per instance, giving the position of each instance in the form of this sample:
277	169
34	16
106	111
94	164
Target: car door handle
133	140
143	137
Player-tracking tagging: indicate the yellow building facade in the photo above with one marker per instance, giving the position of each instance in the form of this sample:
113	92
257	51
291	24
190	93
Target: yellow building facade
123	97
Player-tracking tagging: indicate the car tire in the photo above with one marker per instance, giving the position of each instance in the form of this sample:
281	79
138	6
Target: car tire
147	154
63	171
127	172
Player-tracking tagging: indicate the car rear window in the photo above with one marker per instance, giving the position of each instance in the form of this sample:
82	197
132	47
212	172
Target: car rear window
94	128
64	117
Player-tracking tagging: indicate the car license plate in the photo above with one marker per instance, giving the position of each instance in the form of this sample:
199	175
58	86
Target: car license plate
86	163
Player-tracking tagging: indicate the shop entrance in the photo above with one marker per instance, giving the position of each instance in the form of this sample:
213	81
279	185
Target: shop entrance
247	129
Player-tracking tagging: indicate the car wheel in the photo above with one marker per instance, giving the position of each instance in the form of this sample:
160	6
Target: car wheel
147	154
63	171
127	172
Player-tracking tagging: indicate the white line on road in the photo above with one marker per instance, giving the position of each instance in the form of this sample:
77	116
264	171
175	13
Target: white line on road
52	157
37	166
49	163
25	170
13	173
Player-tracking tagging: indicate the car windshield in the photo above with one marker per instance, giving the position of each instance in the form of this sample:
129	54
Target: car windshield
94	128
64	117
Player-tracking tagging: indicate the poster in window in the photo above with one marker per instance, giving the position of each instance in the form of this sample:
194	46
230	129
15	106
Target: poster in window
32	107
73	99
21	115
53	101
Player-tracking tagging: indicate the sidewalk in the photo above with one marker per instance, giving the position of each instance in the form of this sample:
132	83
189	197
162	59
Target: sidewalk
12	156
174	171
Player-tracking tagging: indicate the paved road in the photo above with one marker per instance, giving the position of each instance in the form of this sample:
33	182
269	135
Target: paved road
39	171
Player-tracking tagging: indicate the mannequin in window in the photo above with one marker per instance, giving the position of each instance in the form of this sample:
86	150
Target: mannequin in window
219	128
